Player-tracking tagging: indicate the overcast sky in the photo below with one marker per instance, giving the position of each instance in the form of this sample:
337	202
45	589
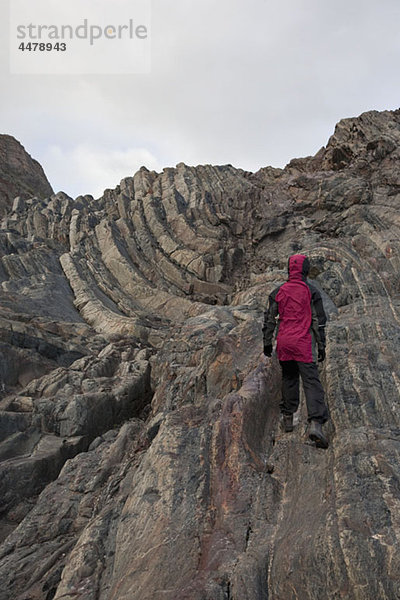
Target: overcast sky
246	82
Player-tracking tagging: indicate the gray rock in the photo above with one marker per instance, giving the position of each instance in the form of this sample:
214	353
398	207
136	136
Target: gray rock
20	176
140	449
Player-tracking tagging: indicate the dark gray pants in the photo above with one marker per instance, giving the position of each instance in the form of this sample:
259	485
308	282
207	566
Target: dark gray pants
313	390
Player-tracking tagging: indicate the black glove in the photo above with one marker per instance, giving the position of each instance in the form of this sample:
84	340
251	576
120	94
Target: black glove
321	354
268	350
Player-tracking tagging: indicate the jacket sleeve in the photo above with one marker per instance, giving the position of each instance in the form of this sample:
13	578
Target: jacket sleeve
316	328
270	316
320	316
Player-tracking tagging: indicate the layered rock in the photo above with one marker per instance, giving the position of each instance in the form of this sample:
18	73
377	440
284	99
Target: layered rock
141	450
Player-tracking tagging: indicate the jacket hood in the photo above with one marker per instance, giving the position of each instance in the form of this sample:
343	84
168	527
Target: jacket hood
298	267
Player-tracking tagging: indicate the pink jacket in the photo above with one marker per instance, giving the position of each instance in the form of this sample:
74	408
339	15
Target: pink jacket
294	340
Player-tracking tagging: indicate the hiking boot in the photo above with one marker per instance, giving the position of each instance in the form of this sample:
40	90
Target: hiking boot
287	423
315	434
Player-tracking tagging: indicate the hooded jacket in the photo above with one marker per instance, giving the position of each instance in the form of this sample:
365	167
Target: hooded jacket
301	314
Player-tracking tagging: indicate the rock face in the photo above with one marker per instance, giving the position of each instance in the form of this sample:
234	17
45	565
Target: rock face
141	453
20	175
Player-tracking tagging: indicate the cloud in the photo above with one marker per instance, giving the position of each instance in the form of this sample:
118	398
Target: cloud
94	169
248	83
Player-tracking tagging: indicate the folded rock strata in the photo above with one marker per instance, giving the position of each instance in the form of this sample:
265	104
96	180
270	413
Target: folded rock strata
140	448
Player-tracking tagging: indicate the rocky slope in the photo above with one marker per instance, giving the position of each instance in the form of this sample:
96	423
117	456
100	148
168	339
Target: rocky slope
141	454
20	174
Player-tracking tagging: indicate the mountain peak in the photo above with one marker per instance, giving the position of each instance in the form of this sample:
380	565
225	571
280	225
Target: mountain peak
20	174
